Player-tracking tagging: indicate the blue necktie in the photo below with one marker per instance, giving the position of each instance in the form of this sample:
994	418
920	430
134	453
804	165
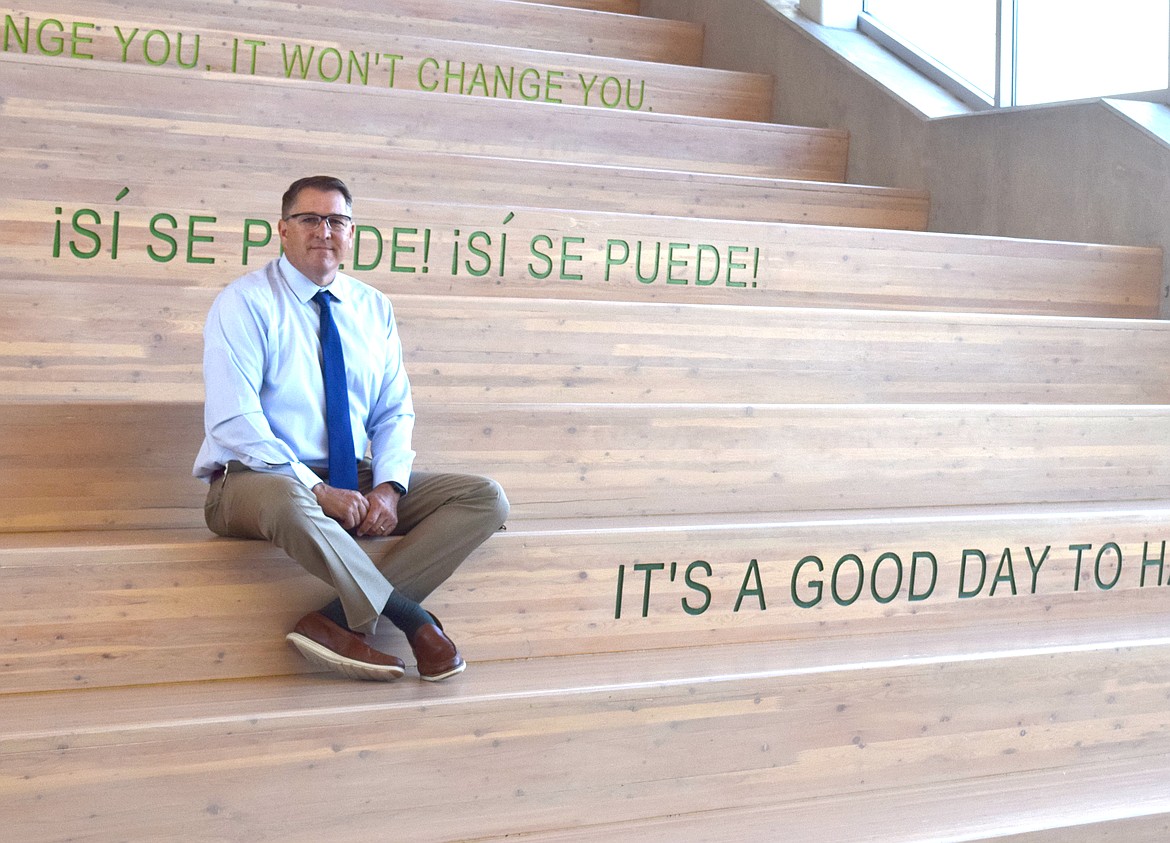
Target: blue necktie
342	462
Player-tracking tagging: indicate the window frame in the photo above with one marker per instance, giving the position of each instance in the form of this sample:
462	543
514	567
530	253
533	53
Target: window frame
1005	94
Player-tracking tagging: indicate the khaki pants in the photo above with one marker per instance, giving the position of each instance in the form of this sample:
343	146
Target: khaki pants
442	519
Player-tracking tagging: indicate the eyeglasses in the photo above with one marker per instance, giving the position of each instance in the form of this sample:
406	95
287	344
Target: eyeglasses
310	222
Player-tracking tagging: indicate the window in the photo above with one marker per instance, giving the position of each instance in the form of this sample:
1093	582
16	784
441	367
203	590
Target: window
1020	52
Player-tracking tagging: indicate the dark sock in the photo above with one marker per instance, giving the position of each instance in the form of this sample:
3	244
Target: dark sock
335	613
405	614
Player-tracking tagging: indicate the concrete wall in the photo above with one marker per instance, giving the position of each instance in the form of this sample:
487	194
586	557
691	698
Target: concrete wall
1068	172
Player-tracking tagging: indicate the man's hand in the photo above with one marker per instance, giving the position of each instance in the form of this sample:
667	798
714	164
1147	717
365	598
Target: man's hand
345	506
382	515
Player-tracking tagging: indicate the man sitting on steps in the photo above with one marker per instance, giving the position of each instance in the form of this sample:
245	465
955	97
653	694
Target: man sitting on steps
308	422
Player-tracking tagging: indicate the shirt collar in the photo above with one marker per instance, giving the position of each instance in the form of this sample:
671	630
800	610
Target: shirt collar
304	288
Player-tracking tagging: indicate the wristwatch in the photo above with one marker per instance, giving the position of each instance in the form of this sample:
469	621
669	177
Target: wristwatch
398	487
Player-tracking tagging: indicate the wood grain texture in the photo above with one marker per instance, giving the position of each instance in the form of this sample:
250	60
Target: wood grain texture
428	247
102	340
106	609
786	560
349	49
535	26
215	105
126	466
881	752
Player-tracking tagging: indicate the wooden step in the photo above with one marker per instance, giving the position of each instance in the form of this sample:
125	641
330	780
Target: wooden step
345	50
135	340
622	7
548	253
126	466
1119	828
949	750
101	609
213	105
527	25
89	166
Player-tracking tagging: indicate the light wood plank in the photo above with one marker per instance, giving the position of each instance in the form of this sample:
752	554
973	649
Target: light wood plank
140	607
212	105
624	7
350	50
134	340
127	465
528	25
953	747
1148	828
90	164
483	250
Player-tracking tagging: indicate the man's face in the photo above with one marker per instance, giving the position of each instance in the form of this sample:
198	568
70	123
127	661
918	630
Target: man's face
317	251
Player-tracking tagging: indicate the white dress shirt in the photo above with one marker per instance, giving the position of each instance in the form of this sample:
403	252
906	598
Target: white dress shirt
265	402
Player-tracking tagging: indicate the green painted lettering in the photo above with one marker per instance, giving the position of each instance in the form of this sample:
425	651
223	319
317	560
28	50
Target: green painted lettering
611	247
1113	549
56	44
873	583
163	257
478	80
299	62
94	217
587	86
423	67
673	263
568	257
398	248
697	587
918	556
1036	565
551	86
732	265
359	233
1080	549
972	554
193	238
648	568
80	39
533	91
1005	572
359	67
704	280
757	591
1148	562
544	259
10	29
251	242
817	585
125	40
851	559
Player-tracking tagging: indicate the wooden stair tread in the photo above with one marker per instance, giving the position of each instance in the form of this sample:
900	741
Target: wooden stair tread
625	744
529	25
100	340
470	179
97	711
154	606
297	47
605	460
775	263
50	93
624	7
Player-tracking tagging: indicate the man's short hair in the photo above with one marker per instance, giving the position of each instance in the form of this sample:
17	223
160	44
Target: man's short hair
323	183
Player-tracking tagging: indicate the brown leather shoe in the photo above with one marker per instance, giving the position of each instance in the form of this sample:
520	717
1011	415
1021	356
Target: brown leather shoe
435	653
328	645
